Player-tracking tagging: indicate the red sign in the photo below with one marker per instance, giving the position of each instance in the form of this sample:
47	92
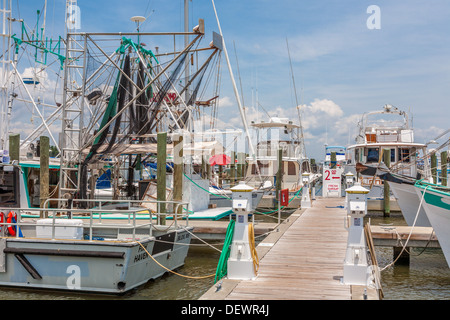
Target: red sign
284	197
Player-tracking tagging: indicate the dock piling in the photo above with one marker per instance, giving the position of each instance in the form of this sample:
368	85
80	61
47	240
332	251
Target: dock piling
386	199
44	171
161	174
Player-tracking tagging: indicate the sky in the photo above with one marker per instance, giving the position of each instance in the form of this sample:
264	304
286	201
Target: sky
346	58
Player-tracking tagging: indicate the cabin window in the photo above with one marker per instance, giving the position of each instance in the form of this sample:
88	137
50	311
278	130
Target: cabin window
357	155
291	169
373	155
404	155
263	166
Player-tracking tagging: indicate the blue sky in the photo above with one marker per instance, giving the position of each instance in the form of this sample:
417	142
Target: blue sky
341	68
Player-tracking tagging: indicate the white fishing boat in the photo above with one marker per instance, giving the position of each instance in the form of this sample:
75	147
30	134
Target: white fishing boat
277	133
341	156
404	192
379	130
436	201
101	250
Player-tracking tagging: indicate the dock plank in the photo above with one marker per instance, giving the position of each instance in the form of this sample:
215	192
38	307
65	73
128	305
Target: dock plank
306	262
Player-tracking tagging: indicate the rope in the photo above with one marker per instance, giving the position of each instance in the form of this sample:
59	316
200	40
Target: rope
410	232
204	188
201	240
178	274
251	238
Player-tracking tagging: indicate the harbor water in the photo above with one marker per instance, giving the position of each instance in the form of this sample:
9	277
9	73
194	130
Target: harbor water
426	278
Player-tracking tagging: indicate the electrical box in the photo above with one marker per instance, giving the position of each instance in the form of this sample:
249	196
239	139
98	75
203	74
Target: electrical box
242	198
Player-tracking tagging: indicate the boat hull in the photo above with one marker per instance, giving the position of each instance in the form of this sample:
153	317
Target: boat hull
90	266
437	208
409	203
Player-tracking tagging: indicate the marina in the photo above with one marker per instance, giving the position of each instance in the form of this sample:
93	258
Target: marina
143	175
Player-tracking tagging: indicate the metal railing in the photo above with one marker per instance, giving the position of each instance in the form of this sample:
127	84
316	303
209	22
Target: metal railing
96	213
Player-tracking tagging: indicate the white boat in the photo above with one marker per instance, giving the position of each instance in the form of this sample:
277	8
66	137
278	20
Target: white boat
379	130
405	193
110	249
436	201
340	152
272	135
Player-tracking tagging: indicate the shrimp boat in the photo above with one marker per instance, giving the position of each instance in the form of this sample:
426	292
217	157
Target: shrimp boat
385	129
116	99
436	202
101	250
110	249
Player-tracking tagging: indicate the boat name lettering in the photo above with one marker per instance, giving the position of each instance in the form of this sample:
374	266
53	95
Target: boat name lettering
182	236
141	255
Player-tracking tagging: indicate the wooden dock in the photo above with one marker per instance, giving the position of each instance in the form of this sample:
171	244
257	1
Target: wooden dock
303	261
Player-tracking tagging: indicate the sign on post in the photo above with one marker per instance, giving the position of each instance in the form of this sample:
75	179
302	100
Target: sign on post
331	182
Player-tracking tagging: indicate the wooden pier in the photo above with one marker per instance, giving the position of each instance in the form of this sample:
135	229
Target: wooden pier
304	260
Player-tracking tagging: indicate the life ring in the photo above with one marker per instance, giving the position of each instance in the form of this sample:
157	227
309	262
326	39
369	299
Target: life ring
11	229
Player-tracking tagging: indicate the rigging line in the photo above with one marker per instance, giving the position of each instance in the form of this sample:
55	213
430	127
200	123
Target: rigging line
410	232
136	97
176	273
239	73
296	99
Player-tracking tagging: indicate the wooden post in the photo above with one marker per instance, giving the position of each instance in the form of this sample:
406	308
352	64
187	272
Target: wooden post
232	169
387	162
404	258
220	175
44	172
240	165
161	174
279	175
178	169
434	167
444	168
333	160
14	147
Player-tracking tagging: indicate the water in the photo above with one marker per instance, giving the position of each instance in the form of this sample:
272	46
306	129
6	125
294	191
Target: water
427	277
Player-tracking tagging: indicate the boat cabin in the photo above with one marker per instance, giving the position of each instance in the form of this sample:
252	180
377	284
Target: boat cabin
277	133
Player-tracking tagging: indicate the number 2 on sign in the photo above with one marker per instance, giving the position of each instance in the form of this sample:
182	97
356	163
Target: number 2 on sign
327	172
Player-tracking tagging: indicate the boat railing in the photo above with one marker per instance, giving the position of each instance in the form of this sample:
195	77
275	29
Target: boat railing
95	217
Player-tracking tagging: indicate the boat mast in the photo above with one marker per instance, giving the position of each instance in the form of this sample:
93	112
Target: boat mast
241	110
